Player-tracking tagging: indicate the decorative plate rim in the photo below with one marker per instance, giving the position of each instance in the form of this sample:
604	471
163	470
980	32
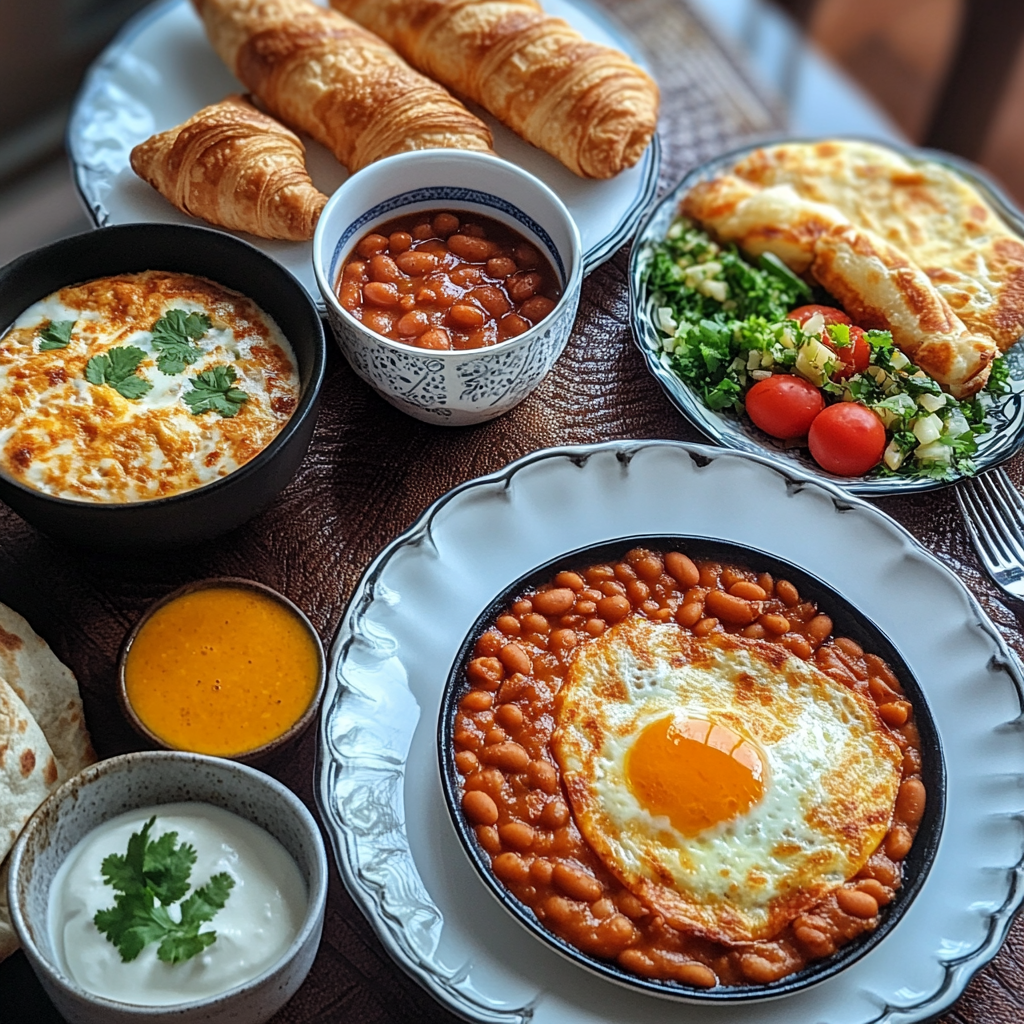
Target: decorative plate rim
725	429
451	991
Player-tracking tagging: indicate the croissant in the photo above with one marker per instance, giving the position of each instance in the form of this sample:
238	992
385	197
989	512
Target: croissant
232	165
588	105
323	74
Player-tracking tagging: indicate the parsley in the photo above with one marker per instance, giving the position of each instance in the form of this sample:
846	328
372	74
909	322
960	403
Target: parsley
212	390
173	335
150	877
56	334
116	367
999	377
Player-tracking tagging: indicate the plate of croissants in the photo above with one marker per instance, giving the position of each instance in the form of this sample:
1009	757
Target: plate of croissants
247	114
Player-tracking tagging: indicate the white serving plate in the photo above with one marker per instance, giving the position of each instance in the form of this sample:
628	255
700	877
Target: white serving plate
160	70
379	788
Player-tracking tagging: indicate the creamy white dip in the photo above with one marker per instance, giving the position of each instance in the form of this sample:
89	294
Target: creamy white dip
256	926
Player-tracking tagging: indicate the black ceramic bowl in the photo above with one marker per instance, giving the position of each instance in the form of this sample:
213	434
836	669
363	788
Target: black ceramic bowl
225	503
848	621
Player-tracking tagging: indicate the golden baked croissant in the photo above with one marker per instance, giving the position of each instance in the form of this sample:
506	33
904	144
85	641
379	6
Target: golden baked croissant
588	105
323	74
234	166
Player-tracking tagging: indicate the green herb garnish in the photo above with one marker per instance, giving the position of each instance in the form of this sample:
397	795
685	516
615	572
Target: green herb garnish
173	337
149	878
213	390
56	334
116	367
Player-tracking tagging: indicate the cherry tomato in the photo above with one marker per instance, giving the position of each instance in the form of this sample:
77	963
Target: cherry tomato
832	315
853	358
847	439
784	406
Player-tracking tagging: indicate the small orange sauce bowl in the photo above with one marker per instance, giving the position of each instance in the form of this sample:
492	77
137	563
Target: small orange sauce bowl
224	666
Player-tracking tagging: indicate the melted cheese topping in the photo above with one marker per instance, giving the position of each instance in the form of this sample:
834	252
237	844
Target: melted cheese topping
67	437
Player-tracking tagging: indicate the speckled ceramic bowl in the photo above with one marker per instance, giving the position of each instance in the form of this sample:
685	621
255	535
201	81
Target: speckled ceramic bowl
130	781
255	755
452	388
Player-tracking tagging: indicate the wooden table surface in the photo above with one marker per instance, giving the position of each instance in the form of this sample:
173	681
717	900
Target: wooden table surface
371	471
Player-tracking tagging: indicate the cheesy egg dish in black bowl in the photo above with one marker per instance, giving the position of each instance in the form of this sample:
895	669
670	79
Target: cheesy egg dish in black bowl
158	384
691	768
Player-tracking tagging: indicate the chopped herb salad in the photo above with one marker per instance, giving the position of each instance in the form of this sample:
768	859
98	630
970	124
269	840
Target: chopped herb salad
726	324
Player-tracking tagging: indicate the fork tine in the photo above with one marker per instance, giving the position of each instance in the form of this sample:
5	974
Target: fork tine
1004	485
980	527
1009	513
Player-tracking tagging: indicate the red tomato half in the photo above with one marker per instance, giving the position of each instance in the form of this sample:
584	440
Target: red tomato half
832	315
853	358
847	439
784	406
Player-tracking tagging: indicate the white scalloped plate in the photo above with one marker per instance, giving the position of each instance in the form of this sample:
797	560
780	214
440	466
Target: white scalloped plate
160	70
380	793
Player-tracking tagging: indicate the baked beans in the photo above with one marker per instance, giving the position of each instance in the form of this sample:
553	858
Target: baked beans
442	280
512	792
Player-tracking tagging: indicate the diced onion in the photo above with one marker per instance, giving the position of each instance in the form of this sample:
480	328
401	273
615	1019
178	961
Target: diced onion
893	456
927	429
934	452
933	403
666	321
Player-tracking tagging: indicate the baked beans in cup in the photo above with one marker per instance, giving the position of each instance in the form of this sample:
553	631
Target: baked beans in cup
454	358
537	680
447	279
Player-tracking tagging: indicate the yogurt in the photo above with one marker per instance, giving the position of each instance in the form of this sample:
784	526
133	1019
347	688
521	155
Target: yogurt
254	929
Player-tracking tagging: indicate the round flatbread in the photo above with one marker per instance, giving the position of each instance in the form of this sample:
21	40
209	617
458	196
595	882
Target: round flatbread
49	690
28	772
43	739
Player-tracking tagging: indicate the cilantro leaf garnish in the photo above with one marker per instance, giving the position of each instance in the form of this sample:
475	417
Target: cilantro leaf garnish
173	337
116	367
148	878
56	334
213	390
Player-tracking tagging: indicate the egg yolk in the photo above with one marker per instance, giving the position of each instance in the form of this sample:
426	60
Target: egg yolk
695	773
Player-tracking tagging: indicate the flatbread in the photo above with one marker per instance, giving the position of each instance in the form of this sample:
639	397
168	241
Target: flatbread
874	280
48	688
43	738
28	773
924	208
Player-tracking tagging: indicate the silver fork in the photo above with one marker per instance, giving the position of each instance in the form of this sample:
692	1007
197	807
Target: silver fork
993	512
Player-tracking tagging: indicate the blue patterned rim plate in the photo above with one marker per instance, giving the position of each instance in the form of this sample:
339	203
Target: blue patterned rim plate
378	785
160	70
729	430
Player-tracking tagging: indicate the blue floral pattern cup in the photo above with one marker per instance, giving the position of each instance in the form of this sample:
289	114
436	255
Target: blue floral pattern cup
457	387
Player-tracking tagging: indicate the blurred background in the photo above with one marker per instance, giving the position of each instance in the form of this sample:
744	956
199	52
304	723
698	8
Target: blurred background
946	73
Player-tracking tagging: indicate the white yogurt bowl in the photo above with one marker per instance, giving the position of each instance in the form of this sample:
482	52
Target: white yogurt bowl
135	781
457	387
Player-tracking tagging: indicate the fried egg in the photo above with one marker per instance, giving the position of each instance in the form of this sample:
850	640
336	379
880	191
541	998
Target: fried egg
728	784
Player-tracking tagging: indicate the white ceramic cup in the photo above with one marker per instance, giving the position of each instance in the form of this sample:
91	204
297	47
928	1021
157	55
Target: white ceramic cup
456	387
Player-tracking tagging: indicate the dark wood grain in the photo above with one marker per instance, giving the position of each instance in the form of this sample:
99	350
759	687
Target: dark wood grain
371	471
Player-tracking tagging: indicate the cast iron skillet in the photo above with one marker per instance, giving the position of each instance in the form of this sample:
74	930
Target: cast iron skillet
226	503
848	621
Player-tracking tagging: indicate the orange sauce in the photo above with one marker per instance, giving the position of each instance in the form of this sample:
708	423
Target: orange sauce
221	671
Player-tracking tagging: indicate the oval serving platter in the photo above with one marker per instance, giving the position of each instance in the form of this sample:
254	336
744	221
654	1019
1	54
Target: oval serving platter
738	433
378	784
